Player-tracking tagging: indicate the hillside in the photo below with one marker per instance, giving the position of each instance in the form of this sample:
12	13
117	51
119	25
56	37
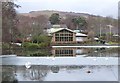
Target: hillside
93	21
49	13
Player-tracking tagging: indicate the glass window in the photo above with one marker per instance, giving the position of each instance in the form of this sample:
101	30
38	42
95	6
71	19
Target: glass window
56	38
56	34
70	38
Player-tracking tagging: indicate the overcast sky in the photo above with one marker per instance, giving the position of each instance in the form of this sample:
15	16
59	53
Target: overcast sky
95	7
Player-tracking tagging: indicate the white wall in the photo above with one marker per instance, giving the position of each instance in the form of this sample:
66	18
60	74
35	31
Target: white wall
80	39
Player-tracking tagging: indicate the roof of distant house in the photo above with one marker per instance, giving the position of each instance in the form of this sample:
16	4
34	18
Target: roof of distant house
81	34
116	35
77	31
96	38
59	26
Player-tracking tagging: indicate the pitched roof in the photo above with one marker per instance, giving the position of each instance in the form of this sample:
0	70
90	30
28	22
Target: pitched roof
64	29
54	30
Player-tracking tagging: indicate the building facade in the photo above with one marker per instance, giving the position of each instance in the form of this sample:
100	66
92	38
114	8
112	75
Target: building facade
64	36
61	34
80	37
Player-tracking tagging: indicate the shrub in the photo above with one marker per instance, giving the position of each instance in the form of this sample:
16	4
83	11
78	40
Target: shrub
112	42
25	44
41	39
28	45
33	46
5	45
38	54
42	45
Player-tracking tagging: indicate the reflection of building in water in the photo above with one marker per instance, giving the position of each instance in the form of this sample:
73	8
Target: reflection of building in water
68	51
81	51
63	51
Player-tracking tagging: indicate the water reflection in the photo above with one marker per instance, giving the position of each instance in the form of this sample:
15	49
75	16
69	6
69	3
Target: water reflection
43	73
88	52
35	73
104	52
68	52
12	73
9	75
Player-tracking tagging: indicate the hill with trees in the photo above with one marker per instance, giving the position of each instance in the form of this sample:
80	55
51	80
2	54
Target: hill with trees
89	22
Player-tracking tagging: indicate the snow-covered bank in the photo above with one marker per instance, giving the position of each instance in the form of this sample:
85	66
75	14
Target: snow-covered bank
7	56
60	60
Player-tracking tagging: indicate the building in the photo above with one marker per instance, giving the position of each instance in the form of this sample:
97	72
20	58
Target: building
80	37
61	34
64	35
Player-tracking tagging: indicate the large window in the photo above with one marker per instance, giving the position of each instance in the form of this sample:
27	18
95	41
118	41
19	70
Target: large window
64	36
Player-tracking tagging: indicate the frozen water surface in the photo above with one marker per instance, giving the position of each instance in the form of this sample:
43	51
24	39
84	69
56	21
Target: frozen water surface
84	65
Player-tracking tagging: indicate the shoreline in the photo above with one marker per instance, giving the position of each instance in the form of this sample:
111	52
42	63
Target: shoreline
86	46
6	56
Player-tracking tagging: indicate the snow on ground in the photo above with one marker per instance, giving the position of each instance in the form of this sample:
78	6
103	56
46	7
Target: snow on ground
60	60
98	73
81	75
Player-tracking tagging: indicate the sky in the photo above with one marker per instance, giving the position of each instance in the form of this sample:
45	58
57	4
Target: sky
95	7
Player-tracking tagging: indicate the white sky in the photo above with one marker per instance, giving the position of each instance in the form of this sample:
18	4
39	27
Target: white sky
96	7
